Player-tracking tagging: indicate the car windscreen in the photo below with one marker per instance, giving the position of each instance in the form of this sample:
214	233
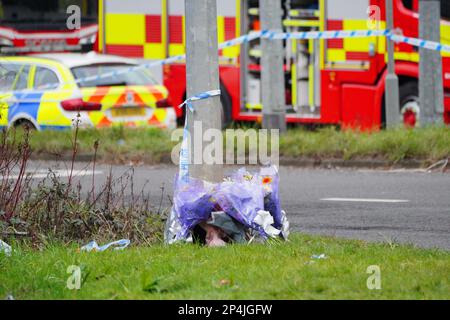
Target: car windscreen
122	75
48	15
9	76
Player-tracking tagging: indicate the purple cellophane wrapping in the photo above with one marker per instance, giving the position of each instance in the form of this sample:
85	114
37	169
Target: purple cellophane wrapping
241	196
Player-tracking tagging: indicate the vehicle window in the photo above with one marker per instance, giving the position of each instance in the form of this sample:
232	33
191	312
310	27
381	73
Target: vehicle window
138	77
445	8
22	79
408	4
8	74
45	77
45	14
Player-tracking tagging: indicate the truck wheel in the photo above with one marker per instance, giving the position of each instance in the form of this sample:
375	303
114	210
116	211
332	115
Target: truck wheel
409	103
225	100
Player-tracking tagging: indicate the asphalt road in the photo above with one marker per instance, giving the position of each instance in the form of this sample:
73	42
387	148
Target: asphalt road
375	205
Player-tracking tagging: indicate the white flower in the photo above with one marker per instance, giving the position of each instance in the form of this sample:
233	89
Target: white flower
265	220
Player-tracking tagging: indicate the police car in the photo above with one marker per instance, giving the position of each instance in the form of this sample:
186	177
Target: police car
51	91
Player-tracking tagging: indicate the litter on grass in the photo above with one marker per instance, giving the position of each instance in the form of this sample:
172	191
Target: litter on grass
118	245
5	248
243	206
319	256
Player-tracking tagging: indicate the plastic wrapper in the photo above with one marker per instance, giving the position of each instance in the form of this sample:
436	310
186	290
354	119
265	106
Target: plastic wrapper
270	182
241	197
193	203
5	248
117	245
251	200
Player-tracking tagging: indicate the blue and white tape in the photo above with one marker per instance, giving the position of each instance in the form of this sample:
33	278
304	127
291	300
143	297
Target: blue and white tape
133	68
335	34
431	45
230	43
174	59
185	157
201	96
341	34
243	39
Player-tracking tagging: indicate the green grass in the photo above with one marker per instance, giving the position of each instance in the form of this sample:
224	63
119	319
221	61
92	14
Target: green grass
258	271
151	145
430	144
115	144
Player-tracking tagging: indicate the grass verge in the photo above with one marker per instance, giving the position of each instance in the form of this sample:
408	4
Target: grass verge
116	145
429	144
121	145
258	271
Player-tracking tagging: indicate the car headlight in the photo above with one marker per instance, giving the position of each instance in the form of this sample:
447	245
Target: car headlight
6	42
88	40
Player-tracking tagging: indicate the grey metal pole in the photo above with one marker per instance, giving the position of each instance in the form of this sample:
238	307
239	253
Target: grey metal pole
431	94
272	74
202	74
392	99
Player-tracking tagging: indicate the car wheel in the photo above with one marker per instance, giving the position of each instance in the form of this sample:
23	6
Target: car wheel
409	103
24	124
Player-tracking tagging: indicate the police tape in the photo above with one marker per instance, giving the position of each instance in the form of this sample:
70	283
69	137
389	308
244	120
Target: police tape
183	172
229	43
335	34
25	99
201	96
427	44
272	35
243	39
174	59
341	34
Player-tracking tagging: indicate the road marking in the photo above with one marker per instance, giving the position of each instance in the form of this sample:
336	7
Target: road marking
364	200
41	174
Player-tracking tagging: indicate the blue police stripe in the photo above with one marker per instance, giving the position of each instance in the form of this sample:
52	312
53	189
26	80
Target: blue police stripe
56	128
29	108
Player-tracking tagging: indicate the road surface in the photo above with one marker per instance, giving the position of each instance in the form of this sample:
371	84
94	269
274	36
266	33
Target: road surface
375	205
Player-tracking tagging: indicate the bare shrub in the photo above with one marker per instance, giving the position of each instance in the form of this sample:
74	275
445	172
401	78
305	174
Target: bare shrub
55	210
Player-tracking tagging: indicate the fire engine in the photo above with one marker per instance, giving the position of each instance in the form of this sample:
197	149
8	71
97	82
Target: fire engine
28	26
335	81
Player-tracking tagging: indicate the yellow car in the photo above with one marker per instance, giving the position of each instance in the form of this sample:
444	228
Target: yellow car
49	91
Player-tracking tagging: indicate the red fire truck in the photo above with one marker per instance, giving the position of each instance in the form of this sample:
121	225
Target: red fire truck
28	26
339	81
328	82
